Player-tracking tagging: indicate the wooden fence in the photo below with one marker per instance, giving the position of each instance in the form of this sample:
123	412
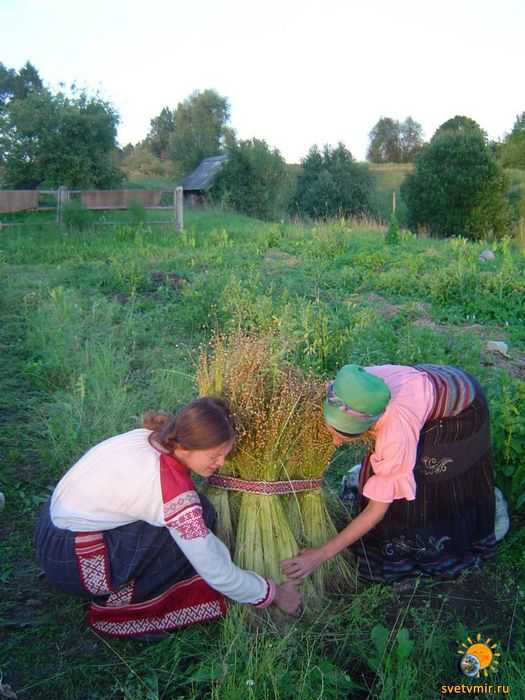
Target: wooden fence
12	201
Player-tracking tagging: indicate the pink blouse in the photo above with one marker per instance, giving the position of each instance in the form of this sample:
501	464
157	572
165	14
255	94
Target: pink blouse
397	433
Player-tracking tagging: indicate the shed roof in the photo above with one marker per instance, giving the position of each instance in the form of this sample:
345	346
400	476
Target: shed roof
202	177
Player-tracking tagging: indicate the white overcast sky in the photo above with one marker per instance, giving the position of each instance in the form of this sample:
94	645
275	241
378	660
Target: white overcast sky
295	72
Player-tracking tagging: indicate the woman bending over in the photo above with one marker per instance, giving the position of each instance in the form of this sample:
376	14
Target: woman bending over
126	529
426	485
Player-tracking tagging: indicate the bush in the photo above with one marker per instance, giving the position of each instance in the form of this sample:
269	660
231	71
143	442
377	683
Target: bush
332	184
392	235
140	162
137	213
458	188
509	437
254	181
75	216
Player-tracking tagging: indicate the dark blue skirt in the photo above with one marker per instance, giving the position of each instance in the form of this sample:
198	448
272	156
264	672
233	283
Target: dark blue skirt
137	578
449	527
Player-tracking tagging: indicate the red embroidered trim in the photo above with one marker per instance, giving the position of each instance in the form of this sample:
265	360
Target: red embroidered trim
205	612
190	524
90	551
93	567
179	503
123	596
264	488
270	595
185	603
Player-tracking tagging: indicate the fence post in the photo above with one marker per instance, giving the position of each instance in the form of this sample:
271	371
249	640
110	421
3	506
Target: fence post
179	208
394	202
62	197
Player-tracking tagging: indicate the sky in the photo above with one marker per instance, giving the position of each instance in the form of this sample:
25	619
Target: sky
296	73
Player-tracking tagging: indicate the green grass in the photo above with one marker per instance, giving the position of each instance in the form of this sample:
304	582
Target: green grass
152	182
44	220
388	178
95	329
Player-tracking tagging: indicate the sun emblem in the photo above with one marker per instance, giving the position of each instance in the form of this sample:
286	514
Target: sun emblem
478	657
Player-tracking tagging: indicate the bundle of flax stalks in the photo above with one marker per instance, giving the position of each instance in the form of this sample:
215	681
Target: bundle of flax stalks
268	495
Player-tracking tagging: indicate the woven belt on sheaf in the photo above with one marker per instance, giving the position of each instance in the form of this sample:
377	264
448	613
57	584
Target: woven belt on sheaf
264	488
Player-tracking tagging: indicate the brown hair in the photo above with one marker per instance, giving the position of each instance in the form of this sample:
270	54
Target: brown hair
201	425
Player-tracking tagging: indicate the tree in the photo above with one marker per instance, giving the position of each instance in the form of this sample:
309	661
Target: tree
53	140
138	161
512	150
254	180
332	184
411	139
385	142
460	123
162	130
199	129
15	85
457	188
392	141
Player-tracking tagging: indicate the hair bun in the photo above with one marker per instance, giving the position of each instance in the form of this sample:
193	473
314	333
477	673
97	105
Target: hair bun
154	420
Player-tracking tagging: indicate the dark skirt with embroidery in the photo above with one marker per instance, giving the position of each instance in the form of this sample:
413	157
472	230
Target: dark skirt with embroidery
449	526
135	576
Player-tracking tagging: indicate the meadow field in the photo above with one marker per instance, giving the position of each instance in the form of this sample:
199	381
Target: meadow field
388	178
99	325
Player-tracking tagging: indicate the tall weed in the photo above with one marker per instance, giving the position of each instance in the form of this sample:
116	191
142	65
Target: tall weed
508	406
396	673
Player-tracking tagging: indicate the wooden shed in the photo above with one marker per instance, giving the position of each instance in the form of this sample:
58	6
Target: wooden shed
196	184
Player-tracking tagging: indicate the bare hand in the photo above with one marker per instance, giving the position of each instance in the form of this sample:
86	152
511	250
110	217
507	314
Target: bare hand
302	565
288	599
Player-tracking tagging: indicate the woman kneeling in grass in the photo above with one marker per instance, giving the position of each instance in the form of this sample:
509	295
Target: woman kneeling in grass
426	486
126	529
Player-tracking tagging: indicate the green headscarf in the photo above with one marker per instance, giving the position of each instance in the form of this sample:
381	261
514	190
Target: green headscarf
355	400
